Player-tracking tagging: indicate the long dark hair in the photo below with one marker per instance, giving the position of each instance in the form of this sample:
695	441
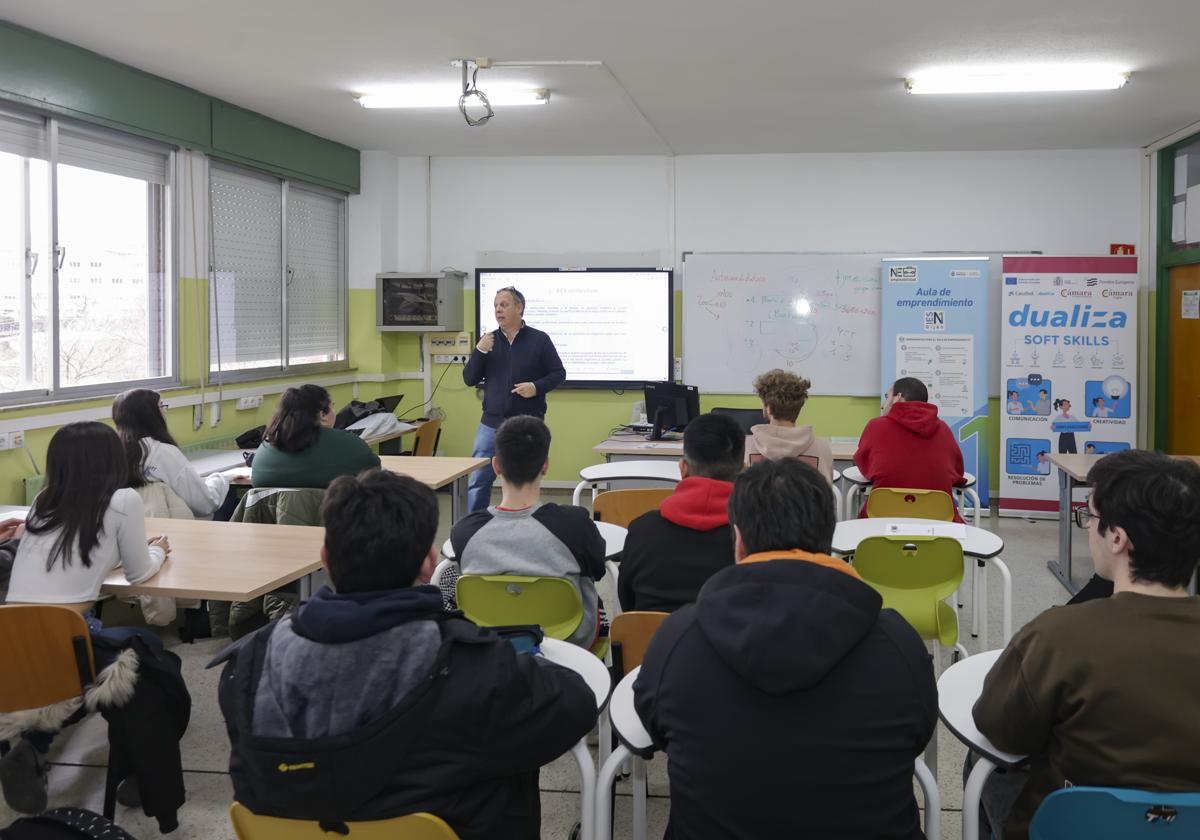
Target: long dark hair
85	465
297	420
137	415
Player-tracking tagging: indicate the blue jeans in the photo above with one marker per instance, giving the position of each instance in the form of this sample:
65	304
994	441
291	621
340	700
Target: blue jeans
479	489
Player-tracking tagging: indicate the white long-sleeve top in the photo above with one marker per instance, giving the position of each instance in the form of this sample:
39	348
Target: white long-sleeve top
167	464
122	543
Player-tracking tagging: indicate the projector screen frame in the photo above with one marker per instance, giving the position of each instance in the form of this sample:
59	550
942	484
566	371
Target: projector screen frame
595	384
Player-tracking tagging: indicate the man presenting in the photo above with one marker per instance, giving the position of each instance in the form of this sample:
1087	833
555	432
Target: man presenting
517	366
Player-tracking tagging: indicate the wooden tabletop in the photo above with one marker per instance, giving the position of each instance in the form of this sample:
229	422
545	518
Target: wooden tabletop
434	471
226	561
1076	466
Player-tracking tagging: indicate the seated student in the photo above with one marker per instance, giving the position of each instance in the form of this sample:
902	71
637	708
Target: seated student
382	703
302	449
154	456
524	535
909	446
783	394
670	552
1105	692
790	703
84	523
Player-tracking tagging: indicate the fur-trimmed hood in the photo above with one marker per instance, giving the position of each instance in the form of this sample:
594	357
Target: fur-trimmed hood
113	688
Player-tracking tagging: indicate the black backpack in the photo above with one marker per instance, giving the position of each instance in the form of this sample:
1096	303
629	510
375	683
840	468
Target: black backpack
65	824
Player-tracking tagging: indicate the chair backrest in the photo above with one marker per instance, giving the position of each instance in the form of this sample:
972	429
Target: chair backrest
620	507
915	504
745	417
633	631
425	438
45	656
1102	813
422	826
914	574
503	600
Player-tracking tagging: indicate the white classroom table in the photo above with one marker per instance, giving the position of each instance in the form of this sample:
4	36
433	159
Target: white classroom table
614	540
587	665
858	481
958	688
646	470
979	543
636	741
636	446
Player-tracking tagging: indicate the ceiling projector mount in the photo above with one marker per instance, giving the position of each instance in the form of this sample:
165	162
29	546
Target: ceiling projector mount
471	91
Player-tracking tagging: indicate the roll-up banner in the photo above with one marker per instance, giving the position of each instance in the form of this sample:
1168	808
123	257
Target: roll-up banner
1068	347
935	328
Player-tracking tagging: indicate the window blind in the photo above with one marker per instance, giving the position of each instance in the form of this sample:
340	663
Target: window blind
315	298
246	309
92	149
23	135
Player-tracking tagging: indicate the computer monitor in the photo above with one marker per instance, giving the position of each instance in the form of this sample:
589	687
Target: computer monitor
670	407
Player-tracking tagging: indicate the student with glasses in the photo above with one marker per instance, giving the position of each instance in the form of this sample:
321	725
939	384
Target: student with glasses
1104	693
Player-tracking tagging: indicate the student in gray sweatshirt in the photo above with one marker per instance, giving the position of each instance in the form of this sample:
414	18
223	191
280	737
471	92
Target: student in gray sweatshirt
524	535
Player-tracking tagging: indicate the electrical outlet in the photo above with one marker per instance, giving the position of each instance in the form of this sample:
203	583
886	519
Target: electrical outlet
246	403
16	440
449	359
5	441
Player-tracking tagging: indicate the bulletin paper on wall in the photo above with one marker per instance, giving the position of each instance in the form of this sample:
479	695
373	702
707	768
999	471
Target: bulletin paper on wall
1068	367
935	328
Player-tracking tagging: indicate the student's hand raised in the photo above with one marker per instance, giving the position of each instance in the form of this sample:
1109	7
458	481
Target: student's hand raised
163	543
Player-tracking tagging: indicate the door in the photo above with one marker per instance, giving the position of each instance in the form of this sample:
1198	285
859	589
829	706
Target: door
1183	361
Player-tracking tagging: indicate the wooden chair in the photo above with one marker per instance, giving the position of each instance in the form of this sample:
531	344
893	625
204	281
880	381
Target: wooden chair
630	636
422	826
426	438
620	507
47	658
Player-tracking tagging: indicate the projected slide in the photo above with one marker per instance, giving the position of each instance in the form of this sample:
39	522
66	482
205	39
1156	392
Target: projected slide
610	327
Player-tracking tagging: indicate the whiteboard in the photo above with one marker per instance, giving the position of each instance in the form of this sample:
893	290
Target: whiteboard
816	315
740	319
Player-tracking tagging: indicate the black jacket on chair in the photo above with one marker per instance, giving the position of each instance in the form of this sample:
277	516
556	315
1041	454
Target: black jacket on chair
790	704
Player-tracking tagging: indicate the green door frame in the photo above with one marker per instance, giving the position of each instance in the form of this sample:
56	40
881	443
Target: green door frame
1168	258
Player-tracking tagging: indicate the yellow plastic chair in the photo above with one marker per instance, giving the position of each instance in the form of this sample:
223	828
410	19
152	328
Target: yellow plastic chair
915	575
620	507
914	504
502	600
250	826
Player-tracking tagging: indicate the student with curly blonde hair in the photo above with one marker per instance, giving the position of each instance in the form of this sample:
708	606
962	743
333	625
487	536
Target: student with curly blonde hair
783	394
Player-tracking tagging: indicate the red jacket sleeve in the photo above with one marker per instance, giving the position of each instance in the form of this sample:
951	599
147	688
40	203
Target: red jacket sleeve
866	444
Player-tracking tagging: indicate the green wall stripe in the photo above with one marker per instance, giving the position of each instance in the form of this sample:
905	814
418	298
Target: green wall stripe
63	79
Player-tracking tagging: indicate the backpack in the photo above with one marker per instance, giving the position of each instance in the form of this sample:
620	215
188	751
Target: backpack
65	824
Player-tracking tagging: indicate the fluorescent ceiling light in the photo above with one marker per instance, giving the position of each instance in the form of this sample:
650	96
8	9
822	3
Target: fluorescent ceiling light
446	96
1029	79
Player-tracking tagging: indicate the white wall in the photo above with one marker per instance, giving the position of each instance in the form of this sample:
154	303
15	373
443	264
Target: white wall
388	218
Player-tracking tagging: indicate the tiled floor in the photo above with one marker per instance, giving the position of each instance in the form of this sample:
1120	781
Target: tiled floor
79	756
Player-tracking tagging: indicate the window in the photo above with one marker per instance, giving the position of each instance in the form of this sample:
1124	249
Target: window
278	299
81	210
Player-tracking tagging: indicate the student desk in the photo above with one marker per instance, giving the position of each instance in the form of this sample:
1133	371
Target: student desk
1072	472
226	561
437	472
588	666
981	544
653	470
626	447
958	688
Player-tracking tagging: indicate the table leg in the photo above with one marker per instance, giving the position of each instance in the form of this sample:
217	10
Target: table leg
982	607
458	498
305	588
602	808
971	796
1061	568
587	789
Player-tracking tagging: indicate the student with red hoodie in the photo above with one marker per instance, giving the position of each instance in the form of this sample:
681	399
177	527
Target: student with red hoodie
670	553
909	446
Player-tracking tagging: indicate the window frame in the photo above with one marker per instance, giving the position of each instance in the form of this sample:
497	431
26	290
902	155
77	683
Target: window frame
219	376
55	392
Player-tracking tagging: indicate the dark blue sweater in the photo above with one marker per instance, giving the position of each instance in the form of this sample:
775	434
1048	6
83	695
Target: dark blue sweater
530	358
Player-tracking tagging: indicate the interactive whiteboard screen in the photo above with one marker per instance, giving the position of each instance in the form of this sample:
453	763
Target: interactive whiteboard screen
611	327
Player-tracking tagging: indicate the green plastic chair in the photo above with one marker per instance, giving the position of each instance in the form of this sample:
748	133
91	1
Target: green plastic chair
502	600
914	504
915	575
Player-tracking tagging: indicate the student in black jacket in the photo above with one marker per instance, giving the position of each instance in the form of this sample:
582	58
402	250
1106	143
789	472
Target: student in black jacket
789	702
670	552
370	702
